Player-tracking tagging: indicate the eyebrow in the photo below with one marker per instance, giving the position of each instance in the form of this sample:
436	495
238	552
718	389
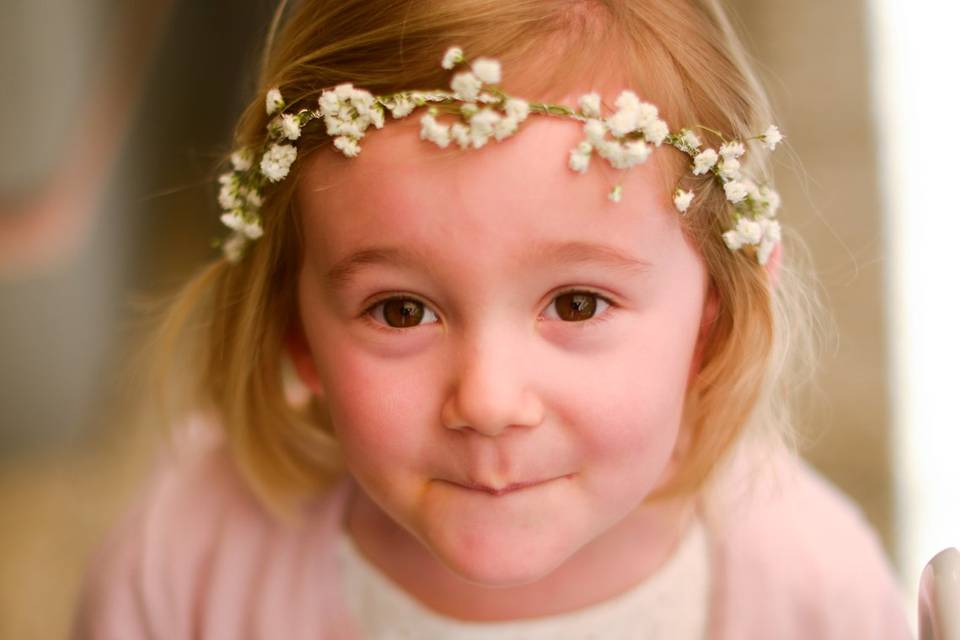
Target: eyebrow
570	252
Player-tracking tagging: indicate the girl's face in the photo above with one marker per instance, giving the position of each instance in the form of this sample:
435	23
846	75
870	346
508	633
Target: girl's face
483	319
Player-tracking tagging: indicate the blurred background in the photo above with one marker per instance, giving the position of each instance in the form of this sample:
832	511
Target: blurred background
114	118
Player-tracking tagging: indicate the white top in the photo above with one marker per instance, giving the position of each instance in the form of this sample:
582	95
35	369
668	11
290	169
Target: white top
670	604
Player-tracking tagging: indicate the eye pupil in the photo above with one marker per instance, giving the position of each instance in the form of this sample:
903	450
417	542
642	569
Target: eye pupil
402	312
583	306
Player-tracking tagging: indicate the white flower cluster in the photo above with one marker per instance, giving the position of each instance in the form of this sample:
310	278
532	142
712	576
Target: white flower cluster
625	139
764	233
275	164
754	206
477	124
347	113
634	127
241	203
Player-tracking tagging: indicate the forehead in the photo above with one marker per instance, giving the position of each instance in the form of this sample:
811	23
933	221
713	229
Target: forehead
502	199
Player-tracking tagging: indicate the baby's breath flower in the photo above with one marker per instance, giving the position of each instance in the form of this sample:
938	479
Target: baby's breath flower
343	91
747	232
517	109
735	191
636	152
254	198
732	150
771	229
772	137
329	103
274	101
347	145
615	154
478	140
750	230
690	139
595	131
275	164
252	230
242	159
704	161
682	200
732	239
482	123
452	57
580	157
461	133
616	194
647	115
729	168
233	220
337	127
363	101
466	86
627	101
233	247
590	105
769	240
622	122
656	132
401	107
606	148
486	70
289	126
228	197
772	200
431	130
504	127
376	117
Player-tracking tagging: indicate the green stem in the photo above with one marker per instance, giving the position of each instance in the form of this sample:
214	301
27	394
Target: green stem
714	132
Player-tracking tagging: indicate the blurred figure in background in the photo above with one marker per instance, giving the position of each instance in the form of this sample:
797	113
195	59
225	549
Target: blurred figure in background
112	116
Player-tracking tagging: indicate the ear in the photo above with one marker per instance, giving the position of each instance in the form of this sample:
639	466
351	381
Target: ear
711	308
773	265
298	349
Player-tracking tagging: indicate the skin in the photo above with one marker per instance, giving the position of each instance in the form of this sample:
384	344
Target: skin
494	385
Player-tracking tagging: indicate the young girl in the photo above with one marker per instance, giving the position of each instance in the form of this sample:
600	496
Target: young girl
539	330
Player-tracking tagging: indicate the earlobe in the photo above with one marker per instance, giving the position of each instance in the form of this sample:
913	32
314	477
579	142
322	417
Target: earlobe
773	265
298	350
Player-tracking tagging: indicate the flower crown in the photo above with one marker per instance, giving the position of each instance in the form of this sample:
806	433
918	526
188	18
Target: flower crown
485	111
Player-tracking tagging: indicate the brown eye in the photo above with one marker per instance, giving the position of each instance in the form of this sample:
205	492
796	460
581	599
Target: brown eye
577	306
400	313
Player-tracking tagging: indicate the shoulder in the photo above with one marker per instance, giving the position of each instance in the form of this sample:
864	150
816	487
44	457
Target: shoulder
195	549
786	537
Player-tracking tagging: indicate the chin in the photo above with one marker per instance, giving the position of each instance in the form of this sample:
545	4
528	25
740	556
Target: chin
498	557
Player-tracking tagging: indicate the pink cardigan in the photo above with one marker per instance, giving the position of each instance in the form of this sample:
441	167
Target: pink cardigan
197	558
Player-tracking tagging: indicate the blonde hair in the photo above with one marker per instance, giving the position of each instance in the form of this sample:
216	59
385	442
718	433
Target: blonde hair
230	322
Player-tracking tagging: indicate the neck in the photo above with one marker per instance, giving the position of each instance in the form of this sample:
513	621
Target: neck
622	557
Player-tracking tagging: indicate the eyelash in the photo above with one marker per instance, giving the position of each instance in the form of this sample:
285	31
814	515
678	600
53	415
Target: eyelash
580	326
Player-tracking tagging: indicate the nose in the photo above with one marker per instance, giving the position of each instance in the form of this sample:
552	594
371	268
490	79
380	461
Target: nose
491	388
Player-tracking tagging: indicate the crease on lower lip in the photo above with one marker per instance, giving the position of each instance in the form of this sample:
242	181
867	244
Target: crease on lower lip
508	489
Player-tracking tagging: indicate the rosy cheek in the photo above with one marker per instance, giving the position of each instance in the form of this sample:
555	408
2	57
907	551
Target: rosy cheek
379	412
627	422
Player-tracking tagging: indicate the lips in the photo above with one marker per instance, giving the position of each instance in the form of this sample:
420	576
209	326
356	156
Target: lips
510	488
